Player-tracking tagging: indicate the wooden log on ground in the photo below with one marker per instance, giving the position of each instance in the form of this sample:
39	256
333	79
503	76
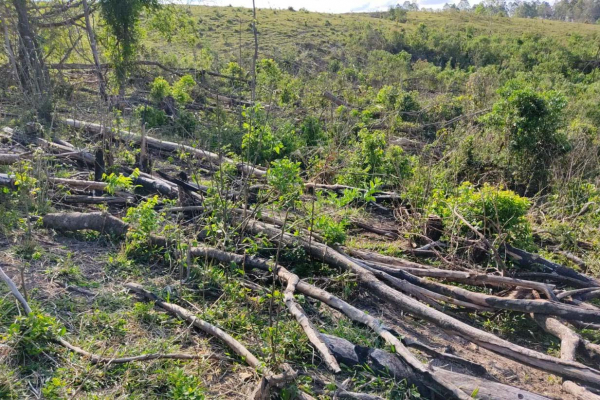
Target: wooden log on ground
165	145
478	279
97	221
95	200
530	260
8	159
313	335
565	311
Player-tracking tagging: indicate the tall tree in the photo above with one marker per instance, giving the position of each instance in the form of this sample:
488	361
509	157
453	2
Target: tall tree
122	18
32	71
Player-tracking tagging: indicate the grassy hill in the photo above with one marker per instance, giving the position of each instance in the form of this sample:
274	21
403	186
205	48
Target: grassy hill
284	31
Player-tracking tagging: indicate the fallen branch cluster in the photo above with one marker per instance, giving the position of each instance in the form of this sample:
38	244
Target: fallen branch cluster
414	289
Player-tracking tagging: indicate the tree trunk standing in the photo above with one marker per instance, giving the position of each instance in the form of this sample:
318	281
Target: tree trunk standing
94	48
9	50
33	73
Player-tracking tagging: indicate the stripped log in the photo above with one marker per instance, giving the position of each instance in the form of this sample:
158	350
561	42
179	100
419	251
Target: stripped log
165	145
478	279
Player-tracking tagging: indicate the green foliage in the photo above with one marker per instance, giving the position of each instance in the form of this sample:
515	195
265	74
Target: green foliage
284	177
32	334
530	123
183	88
122	18
119	182
492	210
334	232
259	143
151	117
184	386
375	159
160	89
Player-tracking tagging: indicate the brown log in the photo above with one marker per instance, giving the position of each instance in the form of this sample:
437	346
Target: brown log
95	200
96	359
478	279
165	145
382	232
97	221
380	258
8	159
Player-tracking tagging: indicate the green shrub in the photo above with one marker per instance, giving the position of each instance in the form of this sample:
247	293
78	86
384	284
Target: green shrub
530	126
160	89
152	117
492	210
182	89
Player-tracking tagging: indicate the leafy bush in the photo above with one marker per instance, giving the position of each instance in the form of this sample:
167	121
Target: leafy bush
160	89
530	124
492	210
152	117
259	143
284	177
31	334
183	88
373	159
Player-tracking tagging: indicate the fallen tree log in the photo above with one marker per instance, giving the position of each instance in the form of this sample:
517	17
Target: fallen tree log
561	310
313	335
478	279
164	145
8	159
530	260
385	364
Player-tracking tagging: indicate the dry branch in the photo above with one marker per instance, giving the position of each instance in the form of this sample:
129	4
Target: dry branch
311	332
204	326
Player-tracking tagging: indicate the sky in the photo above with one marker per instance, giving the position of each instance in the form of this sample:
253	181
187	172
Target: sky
334	6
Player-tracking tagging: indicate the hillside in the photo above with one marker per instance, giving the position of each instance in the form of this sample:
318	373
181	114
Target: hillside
198	205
